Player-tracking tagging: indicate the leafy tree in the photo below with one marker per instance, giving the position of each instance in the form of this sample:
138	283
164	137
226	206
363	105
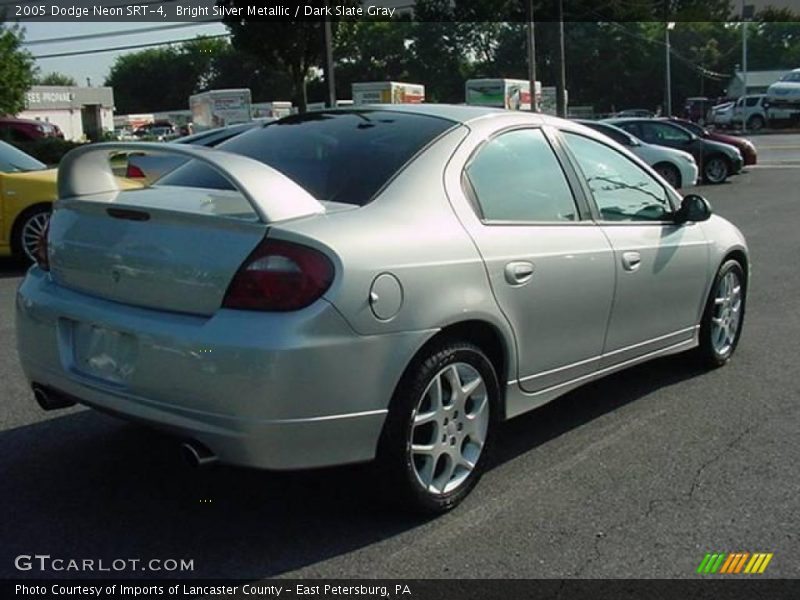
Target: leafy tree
164	78
16	70
55	78
154	79
295	48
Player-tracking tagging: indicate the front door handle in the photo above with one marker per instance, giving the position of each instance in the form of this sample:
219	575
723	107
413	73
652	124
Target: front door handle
631	261
519	272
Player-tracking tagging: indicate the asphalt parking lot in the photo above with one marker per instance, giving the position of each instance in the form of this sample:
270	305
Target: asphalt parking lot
637	475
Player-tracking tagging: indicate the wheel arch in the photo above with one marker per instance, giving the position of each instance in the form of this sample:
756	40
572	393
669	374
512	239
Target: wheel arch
670	165
739	256
483	334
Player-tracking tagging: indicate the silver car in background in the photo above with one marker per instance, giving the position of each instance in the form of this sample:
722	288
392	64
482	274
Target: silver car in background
386	283
678	168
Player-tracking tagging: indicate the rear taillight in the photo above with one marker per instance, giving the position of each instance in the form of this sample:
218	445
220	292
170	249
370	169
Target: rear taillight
41	249
134	172
279	276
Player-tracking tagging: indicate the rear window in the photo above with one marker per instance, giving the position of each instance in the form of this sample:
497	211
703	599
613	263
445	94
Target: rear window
336	156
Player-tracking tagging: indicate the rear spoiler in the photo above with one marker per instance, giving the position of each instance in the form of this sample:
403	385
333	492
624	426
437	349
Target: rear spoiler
86	170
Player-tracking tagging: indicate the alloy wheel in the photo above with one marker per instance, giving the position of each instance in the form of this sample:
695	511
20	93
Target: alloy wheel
727	316
31	231
716	170
449	428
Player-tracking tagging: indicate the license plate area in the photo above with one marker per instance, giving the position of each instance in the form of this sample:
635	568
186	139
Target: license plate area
102	353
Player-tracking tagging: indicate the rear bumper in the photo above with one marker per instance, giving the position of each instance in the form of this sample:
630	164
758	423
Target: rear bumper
276	391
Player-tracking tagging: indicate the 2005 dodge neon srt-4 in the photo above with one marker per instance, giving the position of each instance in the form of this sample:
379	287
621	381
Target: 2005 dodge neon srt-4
386	282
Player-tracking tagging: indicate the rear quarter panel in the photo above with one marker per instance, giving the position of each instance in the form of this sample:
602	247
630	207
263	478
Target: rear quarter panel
411	232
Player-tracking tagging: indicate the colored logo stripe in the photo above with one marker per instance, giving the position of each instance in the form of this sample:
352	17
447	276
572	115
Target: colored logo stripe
734	562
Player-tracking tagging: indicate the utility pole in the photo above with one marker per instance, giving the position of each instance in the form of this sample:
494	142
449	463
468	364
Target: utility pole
561	76
747	12
329	76
668	82
531	57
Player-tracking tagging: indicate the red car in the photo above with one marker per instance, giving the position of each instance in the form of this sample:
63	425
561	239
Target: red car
25	130
745	146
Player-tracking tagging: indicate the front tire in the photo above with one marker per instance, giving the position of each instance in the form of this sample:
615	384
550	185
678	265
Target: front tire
723	317
440	426
26	231
670	174
716	169
756	123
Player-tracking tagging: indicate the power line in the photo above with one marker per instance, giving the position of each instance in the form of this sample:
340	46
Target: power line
91	36
131	47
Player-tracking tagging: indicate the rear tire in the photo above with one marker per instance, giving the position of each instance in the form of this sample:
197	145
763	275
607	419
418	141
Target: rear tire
27	228
670	173
716	169
723	318
756	123
439	431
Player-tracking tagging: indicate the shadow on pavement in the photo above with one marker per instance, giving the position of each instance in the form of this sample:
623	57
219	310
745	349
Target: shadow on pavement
83	485
12	267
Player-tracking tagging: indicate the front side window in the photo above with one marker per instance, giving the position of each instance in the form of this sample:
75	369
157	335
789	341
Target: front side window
517	177
622	190
659	133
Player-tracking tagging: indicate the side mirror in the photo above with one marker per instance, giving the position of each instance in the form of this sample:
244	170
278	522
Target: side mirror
693	208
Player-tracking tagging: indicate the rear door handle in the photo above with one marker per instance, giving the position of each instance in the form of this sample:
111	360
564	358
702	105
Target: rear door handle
519	272
631	261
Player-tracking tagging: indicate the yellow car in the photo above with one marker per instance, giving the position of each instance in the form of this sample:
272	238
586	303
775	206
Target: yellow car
27	192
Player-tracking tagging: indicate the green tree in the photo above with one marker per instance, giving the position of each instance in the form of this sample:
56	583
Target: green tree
55	78
16	70
296	48
371	51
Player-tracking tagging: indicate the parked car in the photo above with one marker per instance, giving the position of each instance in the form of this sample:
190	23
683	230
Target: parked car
634	112
745	146
721	115
784	97
678	168
150	167
160	127
751	110
27	192
26	130
381	283
717	161
697	109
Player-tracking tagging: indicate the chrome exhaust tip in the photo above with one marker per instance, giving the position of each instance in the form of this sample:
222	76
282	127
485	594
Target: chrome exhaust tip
49	399
197	455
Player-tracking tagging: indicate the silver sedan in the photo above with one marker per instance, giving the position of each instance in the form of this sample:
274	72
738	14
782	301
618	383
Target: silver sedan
382	283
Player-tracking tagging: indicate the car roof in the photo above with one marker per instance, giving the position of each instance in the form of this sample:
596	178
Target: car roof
460	113
21	121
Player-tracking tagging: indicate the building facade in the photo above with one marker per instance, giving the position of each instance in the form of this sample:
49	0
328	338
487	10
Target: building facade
82	113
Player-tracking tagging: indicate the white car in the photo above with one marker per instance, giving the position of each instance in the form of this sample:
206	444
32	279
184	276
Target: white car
721	115
677	167
751	110
787	89
783	97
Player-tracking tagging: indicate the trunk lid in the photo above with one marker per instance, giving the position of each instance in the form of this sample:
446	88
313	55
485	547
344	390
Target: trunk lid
173	249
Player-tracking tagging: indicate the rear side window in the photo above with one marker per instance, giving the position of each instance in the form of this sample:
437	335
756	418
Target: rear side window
336	156
517	177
